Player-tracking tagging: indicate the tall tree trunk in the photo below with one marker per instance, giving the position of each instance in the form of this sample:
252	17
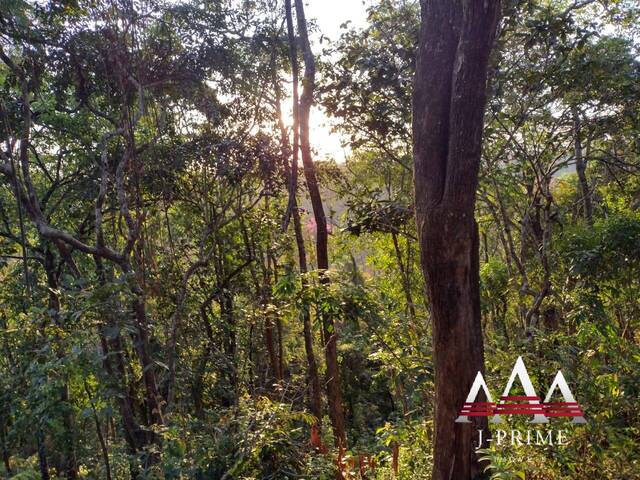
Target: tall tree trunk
279	325
262	284
456	38
315	395
114	365
103	443
281	365
42	456
68	419
406	281
334	393
275	354
152	398
315	392
6	456
229	344
581	168
271	347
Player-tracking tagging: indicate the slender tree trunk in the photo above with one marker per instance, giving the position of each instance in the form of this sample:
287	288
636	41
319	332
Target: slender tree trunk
334	393
114	364
229	343
42	456
315	392
269	326
70	460
406	281
271	347
448	106
315	395
581	168
153	399
278	322
152	394
200	370
6	457
103	444
68	419
169	390
281	364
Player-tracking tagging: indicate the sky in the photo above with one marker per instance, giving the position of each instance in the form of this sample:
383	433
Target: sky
329	15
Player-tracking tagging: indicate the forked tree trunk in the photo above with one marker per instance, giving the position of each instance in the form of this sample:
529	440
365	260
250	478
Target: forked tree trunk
334	393
456	38
315	392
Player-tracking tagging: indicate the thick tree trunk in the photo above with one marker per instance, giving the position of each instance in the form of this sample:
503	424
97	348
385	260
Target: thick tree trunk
334	393
448	107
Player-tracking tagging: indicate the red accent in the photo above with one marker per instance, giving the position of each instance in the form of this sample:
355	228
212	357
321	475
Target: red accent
562	409
516	407
519	407
568	414
519	397
477	409
519	412
551	409
523	405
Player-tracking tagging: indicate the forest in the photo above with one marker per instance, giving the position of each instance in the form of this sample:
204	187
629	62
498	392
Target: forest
190	289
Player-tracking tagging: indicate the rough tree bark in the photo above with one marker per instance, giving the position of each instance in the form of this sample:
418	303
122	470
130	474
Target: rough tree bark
334	393
456	38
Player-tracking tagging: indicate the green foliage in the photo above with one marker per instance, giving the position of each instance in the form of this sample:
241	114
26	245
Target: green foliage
262	439
157	159
606	250
494	282
499	466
